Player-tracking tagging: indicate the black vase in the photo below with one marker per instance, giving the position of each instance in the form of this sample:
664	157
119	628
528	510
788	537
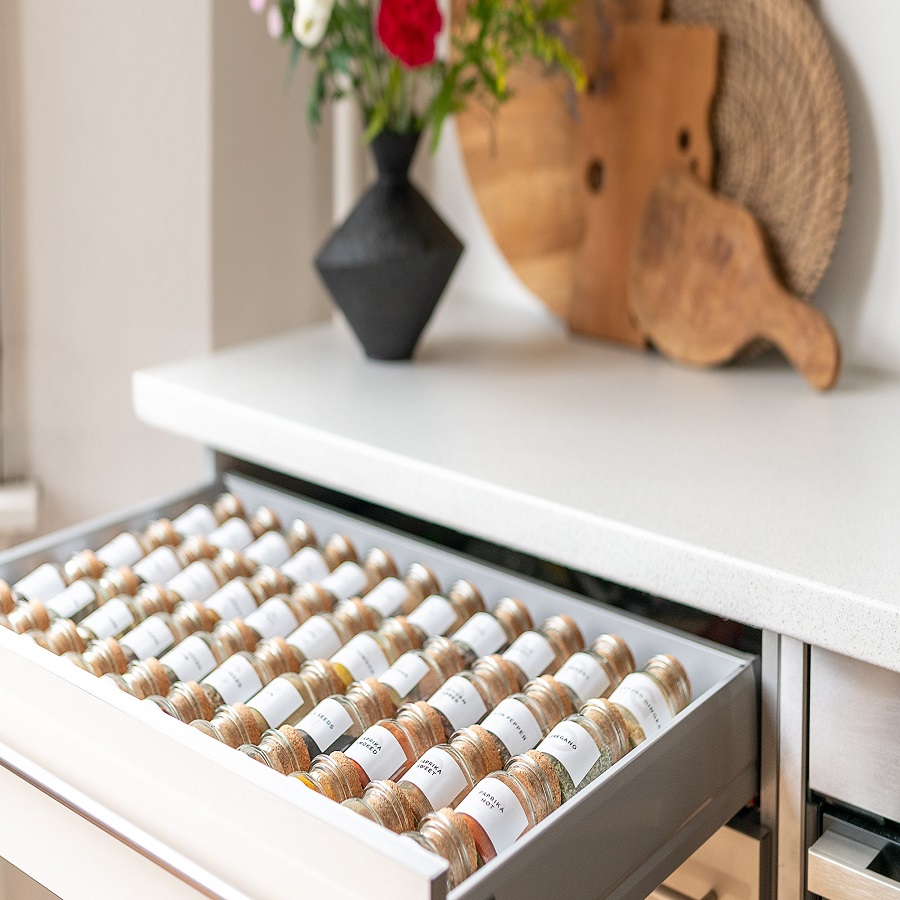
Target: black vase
387	265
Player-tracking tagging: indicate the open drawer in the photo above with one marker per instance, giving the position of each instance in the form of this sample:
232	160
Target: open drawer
163	810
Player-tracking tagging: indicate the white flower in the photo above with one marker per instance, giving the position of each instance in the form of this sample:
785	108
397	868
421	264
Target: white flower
311	18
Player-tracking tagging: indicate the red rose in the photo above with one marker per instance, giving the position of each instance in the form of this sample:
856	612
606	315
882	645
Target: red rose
408	28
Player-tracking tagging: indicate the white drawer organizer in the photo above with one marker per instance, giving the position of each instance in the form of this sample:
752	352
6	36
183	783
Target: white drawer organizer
103	796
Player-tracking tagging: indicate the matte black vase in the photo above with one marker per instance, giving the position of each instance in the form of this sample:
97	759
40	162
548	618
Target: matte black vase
387	265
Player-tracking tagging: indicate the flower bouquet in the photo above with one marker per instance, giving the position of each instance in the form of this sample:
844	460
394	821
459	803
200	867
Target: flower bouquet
388	264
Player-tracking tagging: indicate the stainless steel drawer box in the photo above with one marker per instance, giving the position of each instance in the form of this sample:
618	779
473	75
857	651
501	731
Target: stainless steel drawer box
219	823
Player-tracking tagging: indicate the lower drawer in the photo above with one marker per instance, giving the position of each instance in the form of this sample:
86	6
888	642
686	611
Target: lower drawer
224	826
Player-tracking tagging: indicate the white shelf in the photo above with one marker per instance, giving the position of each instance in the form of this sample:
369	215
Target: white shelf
739	491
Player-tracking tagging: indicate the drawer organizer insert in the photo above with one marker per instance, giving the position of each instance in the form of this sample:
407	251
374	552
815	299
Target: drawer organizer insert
229	826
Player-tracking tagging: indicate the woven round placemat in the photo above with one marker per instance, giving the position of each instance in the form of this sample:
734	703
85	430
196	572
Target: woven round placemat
780	128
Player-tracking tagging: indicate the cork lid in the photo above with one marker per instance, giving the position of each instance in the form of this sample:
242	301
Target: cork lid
39	615
314	598
335	683
92	566
300	534
7	600
128	580
298	745
509	675
248	720
249	637
207	617
561	694
339	548
379	564
466	841
349	771
549	773
490	752
432	717
390	806
287	661
160	532
514	616
62	637
423	580
467	595
162	684
382	698
201	698
264	519
227	505
115	654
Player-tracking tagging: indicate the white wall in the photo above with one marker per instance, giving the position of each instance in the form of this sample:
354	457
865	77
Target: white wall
155	203
861	291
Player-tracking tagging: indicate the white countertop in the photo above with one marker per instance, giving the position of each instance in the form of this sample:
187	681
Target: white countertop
739	491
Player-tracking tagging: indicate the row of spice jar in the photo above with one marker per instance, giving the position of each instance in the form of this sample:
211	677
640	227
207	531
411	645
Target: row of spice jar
330	683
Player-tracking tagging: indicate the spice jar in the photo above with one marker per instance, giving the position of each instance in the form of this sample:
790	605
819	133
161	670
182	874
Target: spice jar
237	533
445	615
276	617
162	564
519	722
502	807
122	613
50	578
583	746
350	579
127	548
419	673
385	806
445	833
334	723
323	635
371	653
487	633
289	697
445	774
202	519
312	564
596	670
648	700
274	548
202	578
467	697
393	596
545	650
283	750
242	594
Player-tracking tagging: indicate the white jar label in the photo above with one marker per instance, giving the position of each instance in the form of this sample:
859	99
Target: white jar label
276	702
41	584
199	519
483	633
459	701
642	697
514	723
497	810
190	660
573	748
405	674
123	550
72	600
316	638
196	582
234	601
379	754
362	658
235	534
269	550
151	638
273	619
387	597
158	566
438	776
236	680
532	653
307	565
111	619
326	723
584	676
346	581
434	616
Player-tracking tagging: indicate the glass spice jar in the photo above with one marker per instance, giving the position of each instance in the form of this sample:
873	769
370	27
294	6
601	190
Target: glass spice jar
202	519
129	547
438	615
446	833
583	746
274	548
372	653
283	750
394	596
490	632
388	748
518	723
50	578
543	651
466	698
237	533
242	594
162	564
419	673
312	564
648	700
505	805
385	806
446	773
122	613
350	579
596	670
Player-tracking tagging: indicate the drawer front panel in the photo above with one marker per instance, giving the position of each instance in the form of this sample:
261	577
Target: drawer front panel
854	725
246	826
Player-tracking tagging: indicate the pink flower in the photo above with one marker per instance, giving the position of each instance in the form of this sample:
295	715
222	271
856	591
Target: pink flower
257	5
275	22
